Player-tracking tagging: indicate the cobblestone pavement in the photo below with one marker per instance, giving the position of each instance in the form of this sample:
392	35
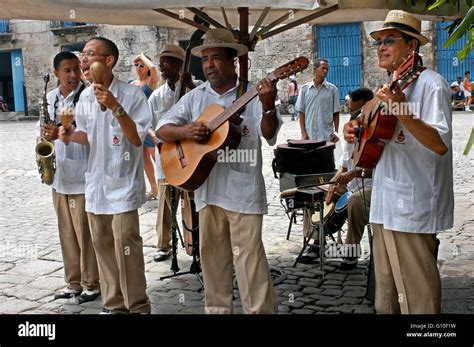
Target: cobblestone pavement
31	264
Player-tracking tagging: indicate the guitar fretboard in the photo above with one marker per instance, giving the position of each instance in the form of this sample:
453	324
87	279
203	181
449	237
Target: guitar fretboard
236	106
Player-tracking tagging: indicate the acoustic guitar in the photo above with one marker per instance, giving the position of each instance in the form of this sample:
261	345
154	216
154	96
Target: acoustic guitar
186	163
378	125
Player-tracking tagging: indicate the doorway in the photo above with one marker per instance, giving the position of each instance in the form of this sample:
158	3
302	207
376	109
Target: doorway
6	80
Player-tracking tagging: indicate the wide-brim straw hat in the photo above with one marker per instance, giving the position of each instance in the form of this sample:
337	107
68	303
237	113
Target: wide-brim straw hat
404	22
219	38
171	51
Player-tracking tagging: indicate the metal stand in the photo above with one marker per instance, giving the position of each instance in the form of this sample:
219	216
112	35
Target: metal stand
317	206
370	289
195	267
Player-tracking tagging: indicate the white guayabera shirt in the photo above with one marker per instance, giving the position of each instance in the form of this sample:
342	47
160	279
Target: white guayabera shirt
160	101
71	160
114	178
413	186
236	185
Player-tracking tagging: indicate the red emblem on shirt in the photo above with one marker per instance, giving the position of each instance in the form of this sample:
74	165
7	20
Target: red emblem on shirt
401	137
116	140
245	131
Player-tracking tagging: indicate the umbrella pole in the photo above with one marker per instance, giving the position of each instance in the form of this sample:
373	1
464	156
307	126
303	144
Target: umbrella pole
244	39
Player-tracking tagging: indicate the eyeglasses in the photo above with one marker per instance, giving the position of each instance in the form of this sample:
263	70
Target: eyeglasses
91	54
141	65
388	41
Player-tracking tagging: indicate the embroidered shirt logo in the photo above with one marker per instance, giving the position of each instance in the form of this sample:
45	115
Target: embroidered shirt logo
401	137
116	140
245	131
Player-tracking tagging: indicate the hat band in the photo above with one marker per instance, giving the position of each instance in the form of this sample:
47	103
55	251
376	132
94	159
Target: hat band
402	27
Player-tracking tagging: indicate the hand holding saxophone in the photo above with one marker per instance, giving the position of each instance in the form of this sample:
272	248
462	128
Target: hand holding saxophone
49	131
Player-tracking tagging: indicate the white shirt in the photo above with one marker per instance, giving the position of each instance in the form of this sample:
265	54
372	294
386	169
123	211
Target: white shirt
413	186
114	178
160	101
234	186
318	106
71	160
347	162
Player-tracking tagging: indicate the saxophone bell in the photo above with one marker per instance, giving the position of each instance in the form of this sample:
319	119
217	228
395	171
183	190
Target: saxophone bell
46	161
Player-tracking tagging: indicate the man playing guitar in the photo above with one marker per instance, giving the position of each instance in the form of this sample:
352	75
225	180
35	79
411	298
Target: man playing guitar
412	190
231	201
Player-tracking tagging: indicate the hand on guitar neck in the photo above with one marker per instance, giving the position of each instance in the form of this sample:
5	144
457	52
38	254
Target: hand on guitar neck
393	96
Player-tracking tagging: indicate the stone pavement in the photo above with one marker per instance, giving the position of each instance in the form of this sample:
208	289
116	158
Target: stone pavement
31	264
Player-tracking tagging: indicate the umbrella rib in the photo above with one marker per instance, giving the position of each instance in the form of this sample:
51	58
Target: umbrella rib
259	22
300	21
274	23
227	24
183	20
205	16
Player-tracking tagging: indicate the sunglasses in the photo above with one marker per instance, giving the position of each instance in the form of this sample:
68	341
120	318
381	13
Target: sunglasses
139	65
388	41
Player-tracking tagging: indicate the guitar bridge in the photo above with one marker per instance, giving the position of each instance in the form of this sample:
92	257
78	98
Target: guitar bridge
180	153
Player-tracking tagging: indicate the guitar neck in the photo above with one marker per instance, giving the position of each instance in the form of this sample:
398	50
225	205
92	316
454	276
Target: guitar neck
236	106
184	68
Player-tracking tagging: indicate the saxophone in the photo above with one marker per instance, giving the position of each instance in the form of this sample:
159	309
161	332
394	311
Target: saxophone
45	155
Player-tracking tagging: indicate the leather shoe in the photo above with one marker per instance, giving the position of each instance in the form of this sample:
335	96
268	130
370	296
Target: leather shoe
311	255
161	255
88	295
348	264
67	293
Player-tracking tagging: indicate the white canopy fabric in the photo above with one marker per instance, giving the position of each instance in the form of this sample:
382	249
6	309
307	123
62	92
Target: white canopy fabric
127	12
142	12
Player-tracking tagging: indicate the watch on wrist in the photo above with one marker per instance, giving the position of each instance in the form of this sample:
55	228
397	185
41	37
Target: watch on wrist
269	112
119	111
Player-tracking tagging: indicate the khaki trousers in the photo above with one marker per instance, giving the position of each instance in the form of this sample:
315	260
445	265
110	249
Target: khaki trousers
358	215
80	264
406	274
119	250
227	237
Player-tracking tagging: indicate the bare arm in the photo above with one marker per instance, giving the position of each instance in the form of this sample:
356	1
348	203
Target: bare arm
304	134
332	188
335	118
426	134
154	75
267	94
71	135
129	128
171	132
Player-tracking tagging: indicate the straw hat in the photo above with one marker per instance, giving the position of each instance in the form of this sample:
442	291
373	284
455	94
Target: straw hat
219	38
404	22
171	51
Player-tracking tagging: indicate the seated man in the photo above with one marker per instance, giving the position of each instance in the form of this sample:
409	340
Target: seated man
457	96
350	177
